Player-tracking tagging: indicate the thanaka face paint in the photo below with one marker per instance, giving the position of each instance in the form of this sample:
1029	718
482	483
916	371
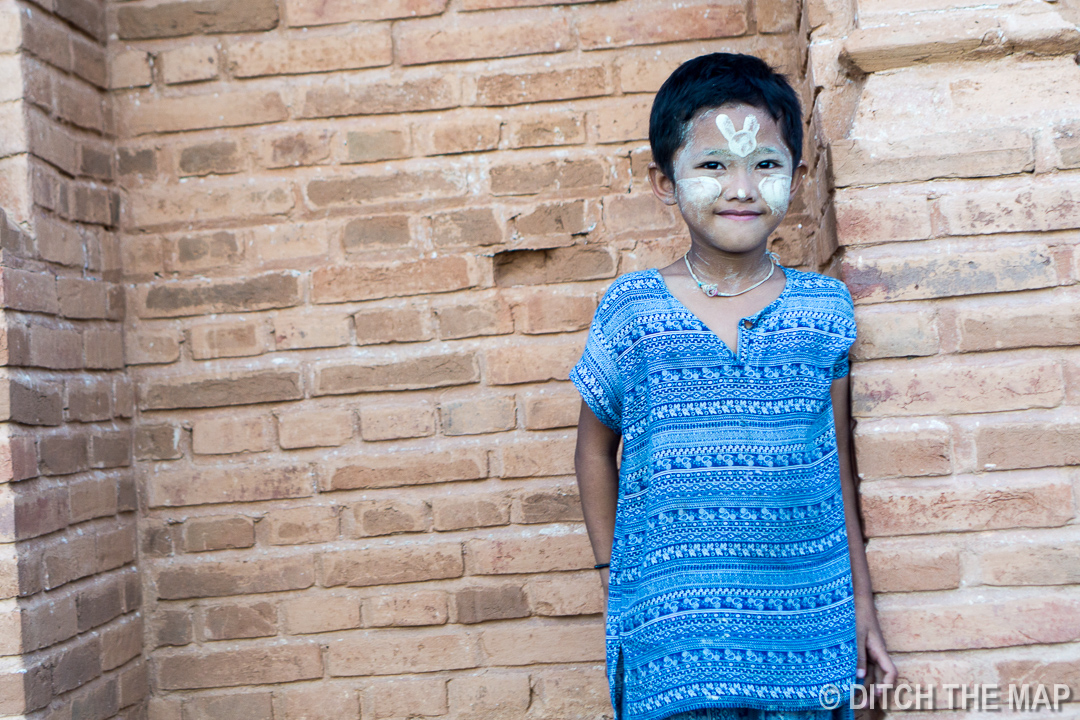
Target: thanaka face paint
776	192
697	195
742	142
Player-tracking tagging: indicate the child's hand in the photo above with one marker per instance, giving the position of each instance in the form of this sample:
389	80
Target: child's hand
881	671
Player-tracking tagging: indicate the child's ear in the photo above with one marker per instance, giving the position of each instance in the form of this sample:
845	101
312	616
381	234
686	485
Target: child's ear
797	177
662	186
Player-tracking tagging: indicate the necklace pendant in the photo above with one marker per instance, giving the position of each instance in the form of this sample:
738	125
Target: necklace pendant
711	290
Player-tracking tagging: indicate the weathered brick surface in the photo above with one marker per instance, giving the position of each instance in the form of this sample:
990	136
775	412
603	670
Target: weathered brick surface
382	226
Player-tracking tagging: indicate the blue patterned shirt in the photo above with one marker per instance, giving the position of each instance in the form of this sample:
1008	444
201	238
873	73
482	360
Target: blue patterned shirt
730	571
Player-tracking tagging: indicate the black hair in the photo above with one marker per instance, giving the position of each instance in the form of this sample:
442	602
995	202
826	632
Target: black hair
717	79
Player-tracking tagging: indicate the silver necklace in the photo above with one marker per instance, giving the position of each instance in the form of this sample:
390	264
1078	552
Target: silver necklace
712	290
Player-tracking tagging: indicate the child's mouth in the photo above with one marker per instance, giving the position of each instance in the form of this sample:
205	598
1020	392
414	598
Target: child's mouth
739	214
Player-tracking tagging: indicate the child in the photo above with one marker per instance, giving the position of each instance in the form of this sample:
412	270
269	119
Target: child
739	587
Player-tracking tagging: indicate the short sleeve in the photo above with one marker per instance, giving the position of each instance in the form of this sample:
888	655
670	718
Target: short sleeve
597	378
849	331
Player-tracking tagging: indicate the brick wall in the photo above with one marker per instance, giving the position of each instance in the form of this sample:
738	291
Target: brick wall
70	631
957	173
363	243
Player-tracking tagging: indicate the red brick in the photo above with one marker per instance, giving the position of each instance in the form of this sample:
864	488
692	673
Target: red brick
1004	622
228	435
247	705
205	297
116	547
543	129
197	391
121	642
345	283
98	603
542	175
300	525
537	267
1039	669
189	64
459	513
172	627
395	652
493	696
30	291
908	566
478	415
324	12
452	137
175	19
986	153
964	504
218	533
464	37
528	643
903	448
1002	206
548	312
484	316
306	329
649	23
388	517
393	422
294	149
222	484
530	551
531	363
229	622
386	184
240	577
142	113
895	330
379	232
406	697
621	120
320	613
413	94
47	621
364	46
554	224
544	86
413	374
1028	440
18	457
956	386
88	400
539	457
409	468
546	409
556	504
157	442
232	339
104	348
62	454
129	68
204	200
637	215
250	665
1051	559
490	602
392	564
83	299
92	497
134	683
56	348
33	402
314	428
398	324
886	275
406	609
201	251
77	665
474	227
38	510
374	144
567	594
1044	319
881	215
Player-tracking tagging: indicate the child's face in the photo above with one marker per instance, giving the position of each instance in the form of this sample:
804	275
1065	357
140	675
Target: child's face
734	178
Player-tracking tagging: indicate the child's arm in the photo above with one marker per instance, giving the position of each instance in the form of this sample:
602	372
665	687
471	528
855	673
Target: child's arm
871	641
598	483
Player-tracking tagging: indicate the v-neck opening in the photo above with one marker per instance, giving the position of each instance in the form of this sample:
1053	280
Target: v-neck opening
739	326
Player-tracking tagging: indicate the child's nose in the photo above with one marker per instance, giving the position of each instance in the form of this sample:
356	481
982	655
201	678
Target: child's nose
740	187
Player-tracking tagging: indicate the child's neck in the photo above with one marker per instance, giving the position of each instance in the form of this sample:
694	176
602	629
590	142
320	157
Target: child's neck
728	270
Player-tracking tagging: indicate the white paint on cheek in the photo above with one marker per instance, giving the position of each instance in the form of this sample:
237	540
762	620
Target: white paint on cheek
776	192
742	142
698	193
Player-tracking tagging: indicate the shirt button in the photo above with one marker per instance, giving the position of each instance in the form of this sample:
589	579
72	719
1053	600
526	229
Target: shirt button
747	324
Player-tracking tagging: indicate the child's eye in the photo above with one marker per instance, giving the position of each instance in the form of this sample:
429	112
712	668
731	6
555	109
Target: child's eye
711	166
768	164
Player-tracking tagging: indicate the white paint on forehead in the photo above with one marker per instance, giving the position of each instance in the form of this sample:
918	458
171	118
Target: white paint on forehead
776	192
742	142
699	192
